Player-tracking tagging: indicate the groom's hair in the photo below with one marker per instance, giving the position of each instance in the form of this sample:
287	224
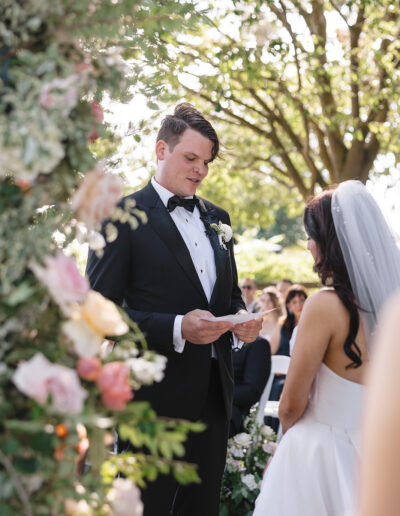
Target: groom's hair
187	117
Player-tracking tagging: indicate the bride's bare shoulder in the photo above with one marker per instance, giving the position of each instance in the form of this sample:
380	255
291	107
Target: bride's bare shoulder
324	300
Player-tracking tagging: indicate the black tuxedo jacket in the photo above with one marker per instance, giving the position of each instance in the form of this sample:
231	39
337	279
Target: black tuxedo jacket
149	272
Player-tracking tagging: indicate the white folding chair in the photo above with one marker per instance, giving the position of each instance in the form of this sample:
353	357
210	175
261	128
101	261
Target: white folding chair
279	365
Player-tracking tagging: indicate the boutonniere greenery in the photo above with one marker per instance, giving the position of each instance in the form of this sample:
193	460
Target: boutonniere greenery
224	232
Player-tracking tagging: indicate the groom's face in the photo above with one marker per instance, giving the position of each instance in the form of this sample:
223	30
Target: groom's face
182	169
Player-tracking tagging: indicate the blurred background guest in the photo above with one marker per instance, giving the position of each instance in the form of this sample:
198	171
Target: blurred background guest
294	302
280	340
283	286
269	300
249	290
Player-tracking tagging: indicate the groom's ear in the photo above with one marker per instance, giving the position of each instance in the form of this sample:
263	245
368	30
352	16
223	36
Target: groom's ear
161	147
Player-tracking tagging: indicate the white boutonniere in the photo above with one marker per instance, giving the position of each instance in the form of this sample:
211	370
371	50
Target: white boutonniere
224	233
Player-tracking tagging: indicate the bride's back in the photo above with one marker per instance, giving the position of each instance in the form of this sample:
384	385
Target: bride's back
338	319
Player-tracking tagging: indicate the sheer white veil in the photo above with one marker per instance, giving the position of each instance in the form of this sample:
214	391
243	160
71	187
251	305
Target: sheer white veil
369	249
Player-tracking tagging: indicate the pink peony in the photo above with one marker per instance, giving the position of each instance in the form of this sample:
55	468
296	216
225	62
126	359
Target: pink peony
124	498
96	197
37	378
62	278
89	368
113	382
31	377
66	391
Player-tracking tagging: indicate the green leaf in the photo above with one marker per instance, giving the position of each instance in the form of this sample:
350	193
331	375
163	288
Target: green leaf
30	465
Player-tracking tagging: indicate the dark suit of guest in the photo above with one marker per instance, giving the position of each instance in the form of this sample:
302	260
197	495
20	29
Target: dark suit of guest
149	271
251	367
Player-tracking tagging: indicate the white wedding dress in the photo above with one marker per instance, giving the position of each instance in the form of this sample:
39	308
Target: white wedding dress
314	469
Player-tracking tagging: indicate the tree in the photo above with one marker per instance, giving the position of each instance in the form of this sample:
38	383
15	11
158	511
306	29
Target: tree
305	91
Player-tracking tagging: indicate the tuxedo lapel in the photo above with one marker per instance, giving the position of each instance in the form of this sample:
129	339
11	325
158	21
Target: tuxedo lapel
162	223
209	216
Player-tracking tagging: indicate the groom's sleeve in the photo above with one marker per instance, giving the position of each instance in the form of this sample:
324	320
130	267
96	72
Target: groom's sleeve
108	275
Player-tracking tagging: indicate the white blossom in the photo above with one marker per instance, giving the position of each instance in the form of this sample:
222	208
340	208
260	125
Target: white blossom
148	371
250	481
243	439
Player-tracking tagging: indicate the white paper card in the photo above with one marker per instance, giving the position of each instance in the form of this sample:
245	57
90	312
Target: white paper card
237	318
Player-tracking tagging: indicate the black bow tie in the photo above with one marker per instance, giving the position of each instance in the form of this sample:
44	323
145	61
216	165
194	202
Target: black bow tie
188	204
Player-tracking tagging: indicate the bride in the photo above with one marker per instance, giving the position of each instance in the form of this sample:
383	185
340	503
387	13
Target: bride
313	472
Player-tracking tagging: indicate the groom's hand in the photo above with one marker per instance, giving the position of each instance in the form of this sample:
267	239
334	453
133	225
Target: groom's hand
248	331
198	331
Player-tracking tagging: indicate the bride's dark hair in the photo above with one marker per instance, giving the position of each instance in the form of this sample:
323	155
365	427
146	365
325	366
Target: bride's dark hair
330	265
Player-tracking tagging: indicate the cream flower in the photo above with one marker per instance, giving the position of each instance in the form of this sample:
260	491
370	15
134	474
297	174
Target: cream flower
145	372
102	315
87	342
242	439
250	481
267	432
97	197
124	498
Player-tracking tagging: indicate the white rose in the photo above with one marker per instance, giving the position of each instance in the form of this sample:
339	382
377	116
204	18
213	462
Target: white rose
250	481
226	232
242	439
145	371
267	432
124	498
235	451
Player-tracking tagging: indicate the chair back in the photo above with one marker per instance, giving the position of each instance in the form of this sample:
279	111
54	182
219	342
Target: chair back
279	365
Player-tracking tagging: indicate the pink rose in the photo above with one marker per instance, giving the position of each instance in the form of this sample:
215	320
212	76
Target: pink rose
97	111
89	368
37	378
66	391
96	197
113	382
62	278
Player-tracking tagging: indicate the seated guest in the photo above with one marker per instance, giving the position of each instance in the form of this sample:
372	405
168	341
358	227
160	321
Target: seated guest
280	340
251	368
270	300
249	289
283	286
294	301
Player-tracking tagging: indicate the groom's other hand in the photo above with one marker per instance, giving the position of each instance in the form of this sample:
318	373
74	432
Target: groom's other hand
247	331
199	331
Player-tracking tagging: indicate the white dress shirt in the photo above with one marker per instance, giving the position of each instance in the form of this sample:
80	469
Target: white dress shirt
193	233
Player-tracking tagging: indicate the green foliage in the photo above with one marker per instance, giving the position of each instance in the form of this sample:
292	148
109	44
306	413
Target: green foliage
58	59
254	261
303	93
247	457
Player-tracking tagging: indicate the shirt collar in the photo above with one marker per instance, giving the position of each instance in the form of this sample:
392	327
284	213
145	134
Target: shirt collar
163	192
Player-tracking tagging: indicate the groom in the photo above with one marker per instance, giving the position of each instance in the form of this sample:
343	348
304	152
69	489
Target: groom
167	274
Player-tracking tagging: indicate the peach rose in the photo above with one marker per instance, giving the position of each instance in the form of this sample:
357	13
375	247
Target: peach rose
113	381
102	315
96	197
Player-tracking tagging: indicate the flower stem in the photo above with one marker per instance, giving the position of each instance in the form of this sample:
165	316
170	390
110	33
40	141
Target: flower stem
18	486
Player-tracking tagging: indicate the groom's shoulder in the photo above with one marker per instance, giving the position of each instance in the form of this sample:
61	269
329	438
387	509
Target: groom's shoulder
214	207
140	198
